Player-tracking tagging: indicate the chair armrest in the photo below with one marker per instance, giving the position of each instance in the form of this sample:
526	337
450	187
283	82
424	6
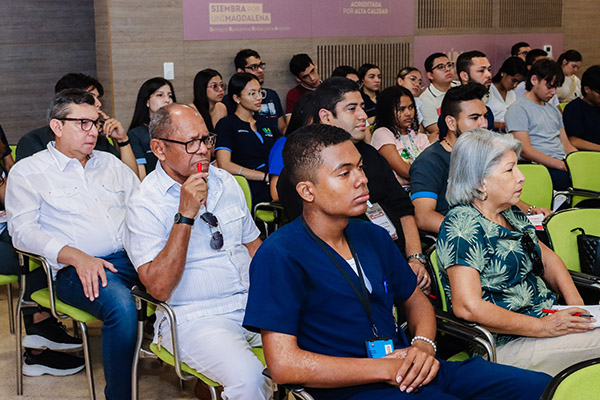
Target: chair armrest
276	208
141	298
585	280
296	390
469	331
24	256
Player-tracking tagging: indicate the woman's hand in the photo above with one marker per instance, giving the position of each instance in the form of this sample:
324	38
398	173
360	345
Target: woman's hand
565	321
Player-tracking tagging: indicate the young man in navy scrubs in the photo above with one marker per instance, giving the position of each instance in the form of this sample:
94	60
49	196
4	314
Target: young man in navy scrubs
340	278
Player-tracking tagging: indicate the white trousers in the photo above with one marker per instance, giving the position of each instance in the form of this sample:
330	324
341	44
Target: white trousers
550	355
220	348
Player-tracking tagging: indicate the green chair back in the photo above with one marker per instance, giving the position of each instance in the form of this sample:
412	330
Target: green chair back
579	381
438	279
243	182
564	242
13	151
537	188
583	167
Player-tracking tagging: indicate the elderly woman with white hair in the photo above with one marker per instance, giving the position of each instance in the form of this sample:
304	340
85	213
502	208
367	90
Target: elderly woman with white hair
495	271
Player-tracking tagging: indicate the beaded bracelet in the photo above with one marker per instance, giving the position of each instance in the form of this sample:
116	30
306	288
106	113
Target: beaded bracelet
530	209
426	340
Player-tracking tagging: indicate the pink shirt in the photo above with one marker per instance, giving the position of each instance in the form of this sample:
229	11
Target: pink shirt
408	146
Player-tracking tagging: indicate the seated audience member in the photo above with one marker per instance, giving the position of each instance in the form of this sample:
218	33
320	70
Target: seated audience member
440	72
343	277
494	269
338	102
411	78
209	90
244	140
570	62
532	57
502	94
520	49
396	136
301	116
582	115
67	204
306	73
201	270
370	81
38	139
472	67
462	110
6	159
153	94
346	71
249	61
44	334
538	125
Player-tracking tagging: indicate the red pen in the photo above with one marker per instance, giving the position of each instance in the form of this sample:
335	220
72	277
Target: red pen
199	166
576	314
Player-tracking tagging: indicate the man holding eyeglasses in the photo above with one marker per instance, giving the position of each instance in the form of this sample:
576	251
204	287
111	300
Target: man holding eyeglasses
440	72
191	237
248	60
67	204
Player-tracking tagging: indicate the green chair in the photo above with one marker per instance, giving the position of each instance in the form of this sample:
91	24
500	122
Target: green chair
448	323
60	310
537	188
8	280
13	151
583	167
265	212
579	381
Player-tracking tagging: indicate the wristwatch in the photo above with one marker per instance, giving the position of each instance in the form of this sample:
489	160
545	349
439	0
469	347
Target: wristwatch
180	219
419	257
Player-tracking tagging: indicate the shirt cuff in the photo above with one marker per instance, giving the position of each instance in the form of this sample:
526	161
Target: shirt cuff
51	250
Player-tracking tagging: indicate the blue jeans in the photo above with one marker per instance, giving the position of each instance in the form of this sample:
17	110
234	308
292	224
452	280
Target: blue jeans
115	306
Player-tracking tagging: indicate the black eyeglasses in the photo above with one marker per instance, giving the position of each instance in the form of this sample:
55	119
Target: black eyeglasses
193	145
217	86
254	67
86	124
216	239
536	261
442	67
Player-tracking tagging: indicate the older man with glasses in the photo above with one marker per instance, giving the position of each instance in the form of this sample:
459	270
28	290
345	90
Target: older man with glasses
67	204
191	238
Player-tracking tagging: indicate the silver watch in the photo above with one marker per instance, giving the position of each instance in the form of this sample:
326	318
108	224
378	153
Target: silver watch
419	257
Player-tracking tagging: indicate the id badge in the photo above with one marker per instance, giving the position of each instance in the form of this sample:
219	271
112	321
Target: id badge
379	217
378	347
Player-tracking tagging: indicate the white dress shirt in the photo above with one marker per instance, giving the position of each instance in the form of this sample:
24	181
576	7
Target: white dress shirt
497	104
214	281
52	201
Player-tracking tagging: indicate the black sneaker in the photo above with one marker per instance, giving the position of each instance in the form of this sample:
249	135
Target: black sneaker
51	362
50	334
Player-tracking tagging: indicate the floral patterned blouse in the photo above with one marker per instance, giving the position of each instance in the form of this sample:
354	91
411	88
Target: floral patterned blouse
505	269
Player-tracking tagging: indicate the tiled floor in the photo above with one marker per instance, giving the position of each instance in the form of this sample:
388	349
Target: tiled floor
157	381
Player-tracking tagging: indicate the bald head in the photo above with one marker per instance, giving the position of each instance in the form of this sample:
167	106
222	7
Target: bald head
166	121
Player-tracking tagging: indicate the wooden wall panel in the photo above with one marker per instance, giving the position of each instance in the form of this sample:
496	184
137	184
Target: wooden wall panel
39	42
580	21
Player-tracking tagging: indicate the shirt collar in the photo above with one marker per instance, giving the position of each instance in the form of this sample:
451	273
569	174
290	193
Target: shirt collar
167	184
62	160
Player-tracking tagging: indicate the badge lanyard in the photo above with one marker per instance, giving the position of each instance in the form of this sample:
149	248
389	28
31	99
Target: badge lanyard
363	295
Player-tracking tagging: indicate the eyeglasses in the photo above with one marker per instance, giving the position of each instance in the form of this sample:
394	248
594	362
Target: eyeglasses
216	239
217	86
523	53
193	145
255	67
536	261
86	124
442	67
261	94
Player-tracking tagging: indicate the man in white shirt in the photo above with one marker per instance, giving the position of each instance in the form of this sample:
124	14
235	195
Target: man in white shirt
440	72
67	203
191	237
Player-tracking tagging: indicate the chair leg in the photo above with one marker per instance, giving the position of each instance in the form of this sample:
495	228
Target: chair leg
11	317
88	361
76	330
19	341
213	393
136	361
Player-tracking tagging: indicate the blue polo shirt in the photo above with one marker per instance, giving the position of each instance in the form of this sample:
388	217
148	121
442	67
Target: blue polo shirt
140	145
249	148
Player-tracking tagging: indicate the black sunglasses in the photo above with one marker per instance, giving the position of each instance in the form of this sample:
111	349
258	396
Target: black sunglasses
536	261
216	239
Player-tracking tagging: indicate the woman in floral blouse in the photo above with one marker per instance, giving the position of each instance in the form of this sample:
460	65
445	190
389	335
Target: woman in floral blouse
495	271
